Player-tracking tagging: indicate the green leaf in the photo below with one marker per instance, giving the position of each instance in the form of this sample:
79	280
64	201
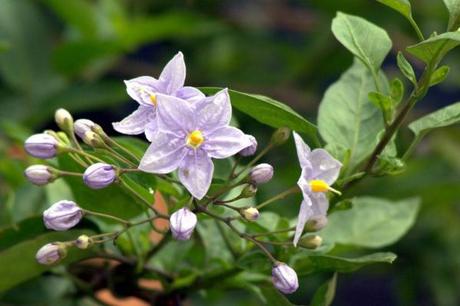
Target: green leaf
346	265
268	111
446	116
435	48
453	6
325	294
372	222
439	75
384	103
406	68
364	39
396	91
18	264
401	6
346	118
274	296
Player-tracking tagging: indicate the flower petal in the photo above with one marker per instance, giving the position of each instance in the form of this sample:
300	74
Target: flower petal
195	173
225	142
175	115
305	213
303	150
173	75
150	128
141	88
191	94
164	155
136	122
214	112
320	204
325	167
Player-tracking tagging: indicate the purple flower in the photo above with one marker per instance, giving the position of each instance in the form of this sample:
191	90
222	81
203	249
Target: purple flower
82	126
50	253
62	215
188	137
248	151
261	174
319	171
99	175
182	224
41	146
39	175
145	89
284	278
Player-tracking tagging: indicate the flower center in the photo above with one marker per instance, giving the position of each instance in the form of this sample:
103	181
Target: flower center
322	186
195	139
153	99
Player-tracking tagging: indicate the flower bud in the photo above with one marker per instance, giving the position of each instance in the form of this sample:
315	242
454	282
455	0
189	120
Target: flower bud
280	136
250	214
248	192
40	174
83	242
64	120
81	126
51	253
261	173
92	139
316	223
99	175
182	224
41	146
284	278
248	151
62	215
310	242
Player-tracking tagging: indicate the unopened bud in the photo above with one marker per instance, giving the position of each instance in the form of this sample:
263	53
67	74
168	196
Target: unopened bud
316	223
92	139
280	136
40	174
310	242
62	215
99	175
64	120
182	224
261	174
250	214
81	126
284	278
248	151
248	192
83	242
51	253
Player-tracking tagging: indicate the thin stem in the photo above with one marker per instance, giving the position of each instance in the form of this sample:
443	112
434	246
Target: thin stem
75	142
68	173
118	156
280	196
412	146
83	153
274	232
235	165
89	212
417	29
255	159
78	160
113	142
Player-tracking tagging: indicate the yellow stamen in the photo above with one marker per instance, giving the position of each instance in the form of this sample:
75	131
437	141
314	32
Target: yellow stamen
153	99
195	139
322	186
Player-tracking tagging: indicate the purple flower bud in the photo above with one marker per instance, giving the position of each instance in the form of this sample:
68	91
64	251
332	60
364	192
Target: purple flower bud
261	173
51	253
83	242
62	215
41	146
99	175
284	278
39	175
182	224
250	214
81	126
248	151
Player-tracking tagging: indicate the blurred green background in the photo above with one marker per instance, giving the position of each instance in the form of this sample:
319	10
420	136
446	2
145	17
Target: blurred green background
75	54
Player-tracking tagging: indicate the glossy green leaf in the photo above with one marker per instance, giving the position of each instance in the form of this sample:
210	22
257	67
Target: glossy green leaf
439	75
453	6
364	39
401	6
406	68
436	47
346	265
324	295
372	222
268	111
444	117
346	117
396	91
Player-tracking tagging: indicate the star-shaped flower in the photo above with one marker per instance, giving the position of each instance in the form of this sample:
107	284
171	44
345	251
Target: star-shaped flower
189	136
319	171
145	89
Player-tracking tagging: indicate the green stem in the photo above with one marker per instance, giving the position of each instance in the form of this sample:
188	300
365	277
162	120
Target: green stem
417	29
280	196
110	141
255	159
83	153
274	232
118	156
89	212
412	146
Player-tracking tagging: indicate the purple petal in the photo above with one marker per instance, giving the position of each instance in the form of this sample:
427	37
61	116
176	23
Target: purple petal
141	88
164	155
173	75
136	122
195	173
214	112
320	204
303	151
175	115
150	128
325	167
305	213
191	94
225	142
